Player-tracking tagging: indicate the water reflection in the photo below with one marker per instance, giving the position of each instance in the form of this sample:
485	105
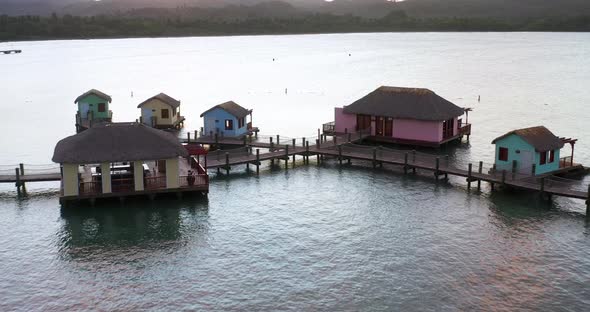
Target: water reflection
137	227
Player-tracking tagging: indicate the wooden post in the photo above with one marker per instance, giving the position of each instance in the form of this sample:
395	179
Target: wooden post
205	156
406	163
257	161
319	134
534	170
294	144
227	163
588	203
479	170
22	173
278	140
286	156
437	166
188	137
414	161
303	141
513	169
335	140
248	152
271	144
469	176
17	184
196	135
307	152
374	157
317	143
340	154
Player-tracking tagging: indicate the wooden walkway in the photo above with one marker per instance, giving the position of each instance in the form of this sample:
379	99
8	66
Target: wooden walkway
345	150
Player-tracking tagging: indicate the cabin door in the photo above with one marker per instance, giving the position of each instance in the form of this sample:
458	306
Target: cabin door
146	116
84	111
389	127
525	166
379	126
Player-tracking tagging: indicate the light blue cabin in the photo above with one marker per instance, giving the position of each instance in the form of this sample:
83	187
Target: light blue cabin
228	119
525	148
93	108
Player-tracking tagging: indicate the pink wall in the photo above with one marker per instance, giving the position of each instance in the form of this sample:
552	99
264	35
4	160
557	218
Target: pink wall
456	130
408	129
344	121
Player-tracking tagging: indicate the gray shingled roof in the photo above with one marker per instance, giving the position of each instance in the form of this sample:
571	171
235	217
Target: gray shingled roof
539	137
164	98
232	108
95	92
405	103
117	142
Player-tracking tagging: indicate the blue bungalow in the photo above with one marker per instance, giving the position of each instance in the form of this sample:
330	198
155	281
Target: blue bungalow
228	119
530	146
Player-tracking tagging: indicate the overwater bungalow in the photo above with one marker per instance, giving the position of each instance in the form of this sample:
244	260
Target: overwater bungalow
93	108
533	151
126	159
411	116
161	111
228	119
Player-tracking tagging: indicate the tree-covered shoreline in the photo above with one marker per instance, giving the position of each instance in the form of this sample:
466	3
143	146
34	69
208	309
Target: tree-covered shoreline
20	28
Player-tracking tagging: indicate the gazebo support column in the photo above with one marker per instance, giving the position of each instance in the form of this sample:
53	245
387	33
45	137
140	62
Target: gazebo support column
105	176
70	180
138	175
172	173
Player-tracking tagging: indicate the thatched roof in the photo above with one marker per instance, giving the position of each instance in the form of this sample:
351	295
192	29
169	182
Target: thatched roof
95	92
539	137
163	97
405	103
117	142
232	108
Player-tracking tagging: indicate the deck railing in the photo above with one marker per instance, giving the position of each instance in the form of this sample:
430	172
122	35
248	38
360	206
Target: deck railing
329	128
90	188
154	183
465	129
567	161
193	181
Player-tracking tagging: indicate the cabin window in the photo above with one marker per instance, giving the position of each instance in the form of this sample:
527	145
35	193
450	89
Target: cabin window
503	154
165	113
229	124
543	158
552	156
102	107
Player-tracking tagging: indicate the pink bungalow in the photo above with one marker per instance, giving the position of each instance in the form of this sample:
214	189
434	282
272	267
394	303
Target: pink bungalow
404	116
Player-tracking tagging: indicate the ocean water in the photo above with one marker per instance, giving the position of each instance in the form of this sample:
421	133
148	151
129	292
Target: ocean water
311	237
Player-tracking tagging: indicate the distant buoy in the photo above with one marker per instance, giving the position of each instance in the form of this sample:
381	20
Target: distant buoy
479	98
131	93
285	90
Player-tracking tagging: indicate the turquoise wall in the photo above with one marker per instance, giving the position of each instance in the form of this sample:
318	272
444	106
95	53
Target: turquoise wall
91	101
513	143
215	121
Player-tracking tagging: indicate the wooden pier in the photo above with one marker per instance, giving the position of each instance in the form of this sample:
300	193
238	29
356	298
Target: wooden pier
10	51
253	150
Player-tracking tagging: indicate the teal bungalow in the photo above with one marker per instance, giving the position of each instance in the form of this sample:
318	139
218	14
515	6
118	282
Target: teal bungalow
529	150
228	119
93	107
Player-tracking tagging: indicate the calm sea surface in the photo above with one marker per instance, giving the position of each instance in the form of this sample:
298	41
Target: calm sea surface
310	238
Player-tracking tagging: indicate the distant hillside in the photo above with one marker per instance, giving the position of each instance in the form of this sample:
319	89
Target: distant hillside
364	8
